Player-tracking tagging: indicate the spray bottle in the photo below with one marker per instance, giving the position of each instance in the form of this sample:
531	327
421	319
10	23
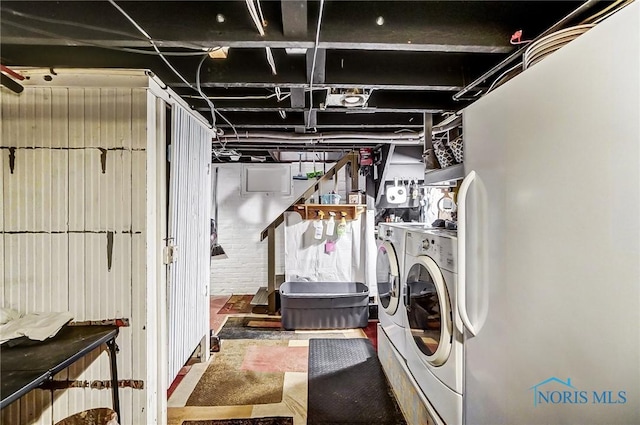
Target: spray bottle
331	224
318	226
342	226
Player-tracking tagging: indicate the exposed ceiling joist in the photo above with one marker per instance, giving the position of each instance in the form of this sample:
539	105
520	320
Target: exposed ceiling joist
406	59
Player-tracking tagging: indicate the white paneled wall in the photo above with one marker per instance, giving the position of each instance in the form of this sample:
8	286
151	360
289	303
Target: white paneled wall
72	231
189	228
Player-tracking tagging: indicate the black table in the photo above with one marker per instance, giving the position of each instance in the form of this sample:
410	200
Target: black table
26	366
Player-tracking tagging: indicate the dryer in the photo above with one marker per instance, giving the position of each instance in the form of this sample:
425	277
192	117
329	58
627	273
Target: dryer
434	349
389	271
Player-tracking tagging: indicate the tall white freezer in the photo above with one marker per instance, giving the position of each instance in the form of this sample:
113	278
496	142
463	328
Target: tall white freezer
550	224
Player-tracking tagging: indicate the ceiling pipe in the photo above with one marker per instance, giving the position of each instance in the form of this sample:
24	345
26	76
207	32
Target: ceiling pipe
319	143
295	147
515	55
321	137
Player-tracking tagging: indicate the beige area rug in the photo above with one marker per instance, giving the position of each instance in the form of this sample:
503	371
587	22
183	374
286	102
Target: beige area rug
227	383
274	420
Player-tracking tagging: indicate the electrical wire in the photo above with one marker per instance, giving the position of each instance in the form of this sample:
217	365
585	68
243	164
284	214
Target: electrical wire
280	96
153	44
260	24
315	53
271	61
593	19
70	23
515	39
206	99
622	6
519	64
143	32
156	51
233	127
249	97
264	21
518	53
254	16
214	111
93	43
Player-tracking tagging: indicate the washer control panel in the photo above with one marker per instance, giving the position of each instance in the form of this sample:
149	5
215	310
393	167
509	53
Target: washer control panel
441	248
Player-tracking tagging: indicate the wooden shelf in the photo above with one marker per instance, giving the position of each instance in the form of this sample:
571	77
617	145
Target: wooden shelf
312	211
455	172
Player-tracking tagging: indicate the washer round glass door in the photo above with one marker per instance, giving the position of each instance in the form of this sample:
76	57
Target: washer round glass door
428	310
388	278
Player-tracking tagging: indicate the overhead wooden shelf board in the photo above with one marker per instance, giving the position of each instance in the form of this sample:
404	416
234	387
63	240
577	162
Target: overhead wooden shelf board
322	211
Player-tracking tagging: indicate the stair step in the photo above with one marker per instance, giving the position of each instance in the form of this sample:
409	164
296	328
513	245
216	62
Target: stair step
261	297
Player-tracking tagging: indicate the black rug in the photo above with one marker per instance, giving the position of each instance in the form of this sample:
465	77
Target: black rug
347	385
254	328
263	328
272	420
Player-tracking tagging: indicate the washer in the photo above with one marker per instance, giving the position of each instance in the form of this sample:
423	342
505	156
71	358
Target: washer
434	349
389	270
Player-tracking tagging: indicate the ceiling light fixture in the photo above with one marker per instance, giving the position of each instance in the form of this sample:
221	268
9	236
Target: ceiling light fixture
355	97
380	20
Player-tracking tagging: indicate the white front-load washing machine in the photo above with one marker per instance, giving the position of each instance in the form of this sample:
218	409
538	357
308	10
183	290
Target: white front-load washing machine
434	349
389	271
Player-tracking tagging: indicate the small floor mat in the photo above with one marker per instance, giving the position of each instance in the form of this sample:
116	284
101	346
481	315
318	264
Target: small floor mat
237	304
229	381
264	328
347	385
273	420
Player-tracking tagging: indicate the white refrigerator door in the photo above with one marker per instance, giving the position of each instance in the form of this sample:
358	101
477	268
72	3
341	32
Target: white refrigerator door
552	275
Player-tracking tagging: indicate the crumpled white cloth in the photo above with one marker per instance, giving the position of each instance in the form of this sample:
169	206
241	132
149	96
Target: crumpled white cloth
8	314
37	326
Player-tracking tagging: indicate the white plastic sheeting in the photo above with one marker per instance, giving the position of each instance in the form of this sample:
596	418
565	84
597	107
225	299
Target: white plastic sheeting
189	232
431	212
306	258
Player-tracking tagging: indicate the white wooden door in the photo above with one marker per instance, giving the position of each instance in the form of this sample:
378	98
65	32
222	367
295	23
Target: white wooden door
189	228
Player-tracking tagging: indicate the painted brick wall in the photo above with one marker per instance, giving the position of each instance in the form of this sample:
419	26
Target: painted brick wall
240	222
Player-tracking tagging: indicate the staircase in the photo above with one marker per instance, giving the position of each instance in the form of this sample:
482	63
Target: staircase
268	296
